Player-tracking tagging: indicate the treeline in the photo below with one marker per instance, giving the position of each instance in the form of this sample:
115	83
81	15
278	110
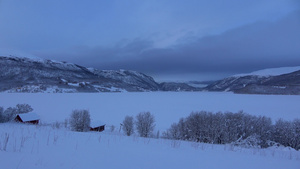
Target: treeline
223	128
10	113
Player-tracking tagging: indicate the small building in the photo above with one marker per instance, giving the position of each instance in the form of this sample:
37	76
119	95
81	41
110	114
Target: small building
27	118
97	126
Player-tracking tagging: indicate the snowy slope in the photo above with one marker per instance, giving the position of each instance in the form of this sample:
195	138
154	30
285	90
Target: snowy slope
270	72
129	77
14	54
43	147
284	81
27	74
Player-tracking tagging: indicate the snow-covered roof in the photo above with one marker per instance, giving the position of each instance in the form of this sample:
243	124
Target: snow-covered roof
28	117
96	124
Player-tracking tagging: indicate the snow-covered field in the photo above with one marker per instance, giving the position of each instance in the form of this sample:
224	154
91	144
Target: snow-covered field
43	146
28	146
167	107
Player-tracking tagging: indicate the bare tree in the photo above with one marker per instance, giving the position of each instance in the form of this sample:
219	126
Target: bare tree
112	128
10	113
80	120
2	117
236	128
296	133
24	108
145	124
128	125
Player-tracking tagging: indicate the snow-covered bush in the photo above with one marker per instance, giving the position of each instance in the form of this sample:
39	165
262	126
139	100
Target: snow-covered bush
173	132
2	115
145	124
24	108
112	128
287	133
252	141
237	128
80	120
128	125
10	113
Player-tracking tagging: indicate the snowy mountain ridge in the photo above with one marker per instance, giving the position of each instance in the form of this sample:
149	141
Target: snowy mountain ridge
34	75
270	72
18	54
24	74
285	80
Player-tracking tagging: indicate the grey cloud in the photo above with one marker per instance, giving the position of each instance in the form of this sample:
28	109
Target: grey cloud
247	48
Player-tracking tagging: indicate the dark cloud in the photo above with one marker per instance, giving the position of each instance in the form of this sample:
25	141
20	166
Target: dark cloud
244	49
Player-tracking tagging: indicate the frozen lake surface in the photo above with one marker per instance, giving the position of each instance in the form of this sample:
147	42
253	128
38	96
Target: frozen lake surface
168	107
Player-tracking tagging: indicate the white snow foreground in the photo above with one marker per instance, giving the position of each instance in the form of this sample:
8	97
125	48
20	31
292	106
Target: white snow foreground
42	147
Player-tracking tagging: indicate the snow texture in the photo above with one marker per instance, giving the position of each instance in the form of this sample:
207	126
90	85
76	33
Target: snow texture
42	147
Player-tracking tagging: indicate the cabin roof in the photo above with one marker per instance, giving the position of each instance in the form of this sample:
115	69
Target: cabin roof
96	123
28	116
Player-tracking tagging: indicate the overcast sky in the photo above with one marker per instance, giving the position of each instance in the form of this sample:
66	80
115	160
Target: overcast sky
168	39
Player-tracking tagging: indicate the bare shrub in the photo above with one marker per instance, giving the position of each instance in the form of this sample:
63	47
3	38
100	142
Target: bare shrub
80	120
128	125
112	128
145	124
24	108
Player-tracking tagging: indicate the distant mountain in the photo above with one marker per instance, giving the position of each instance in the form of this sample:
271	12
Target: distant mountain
21	74
32	75
200	84
174	86
269	81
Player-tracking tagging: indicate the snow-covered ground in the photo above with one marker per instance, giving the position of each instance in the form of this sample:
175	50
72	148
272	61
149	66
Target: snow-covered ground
167	107
44	147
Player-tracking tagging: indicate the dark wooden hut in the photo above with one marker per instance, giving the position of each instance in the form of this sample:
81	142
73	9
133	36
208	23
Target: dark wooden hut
28	118
97	126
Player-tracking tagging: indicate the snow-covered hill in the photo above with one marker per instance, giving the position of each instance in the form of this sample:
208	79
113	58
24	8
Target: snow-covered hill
32	75
271	72
284	80
18	54
129	77
46	147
